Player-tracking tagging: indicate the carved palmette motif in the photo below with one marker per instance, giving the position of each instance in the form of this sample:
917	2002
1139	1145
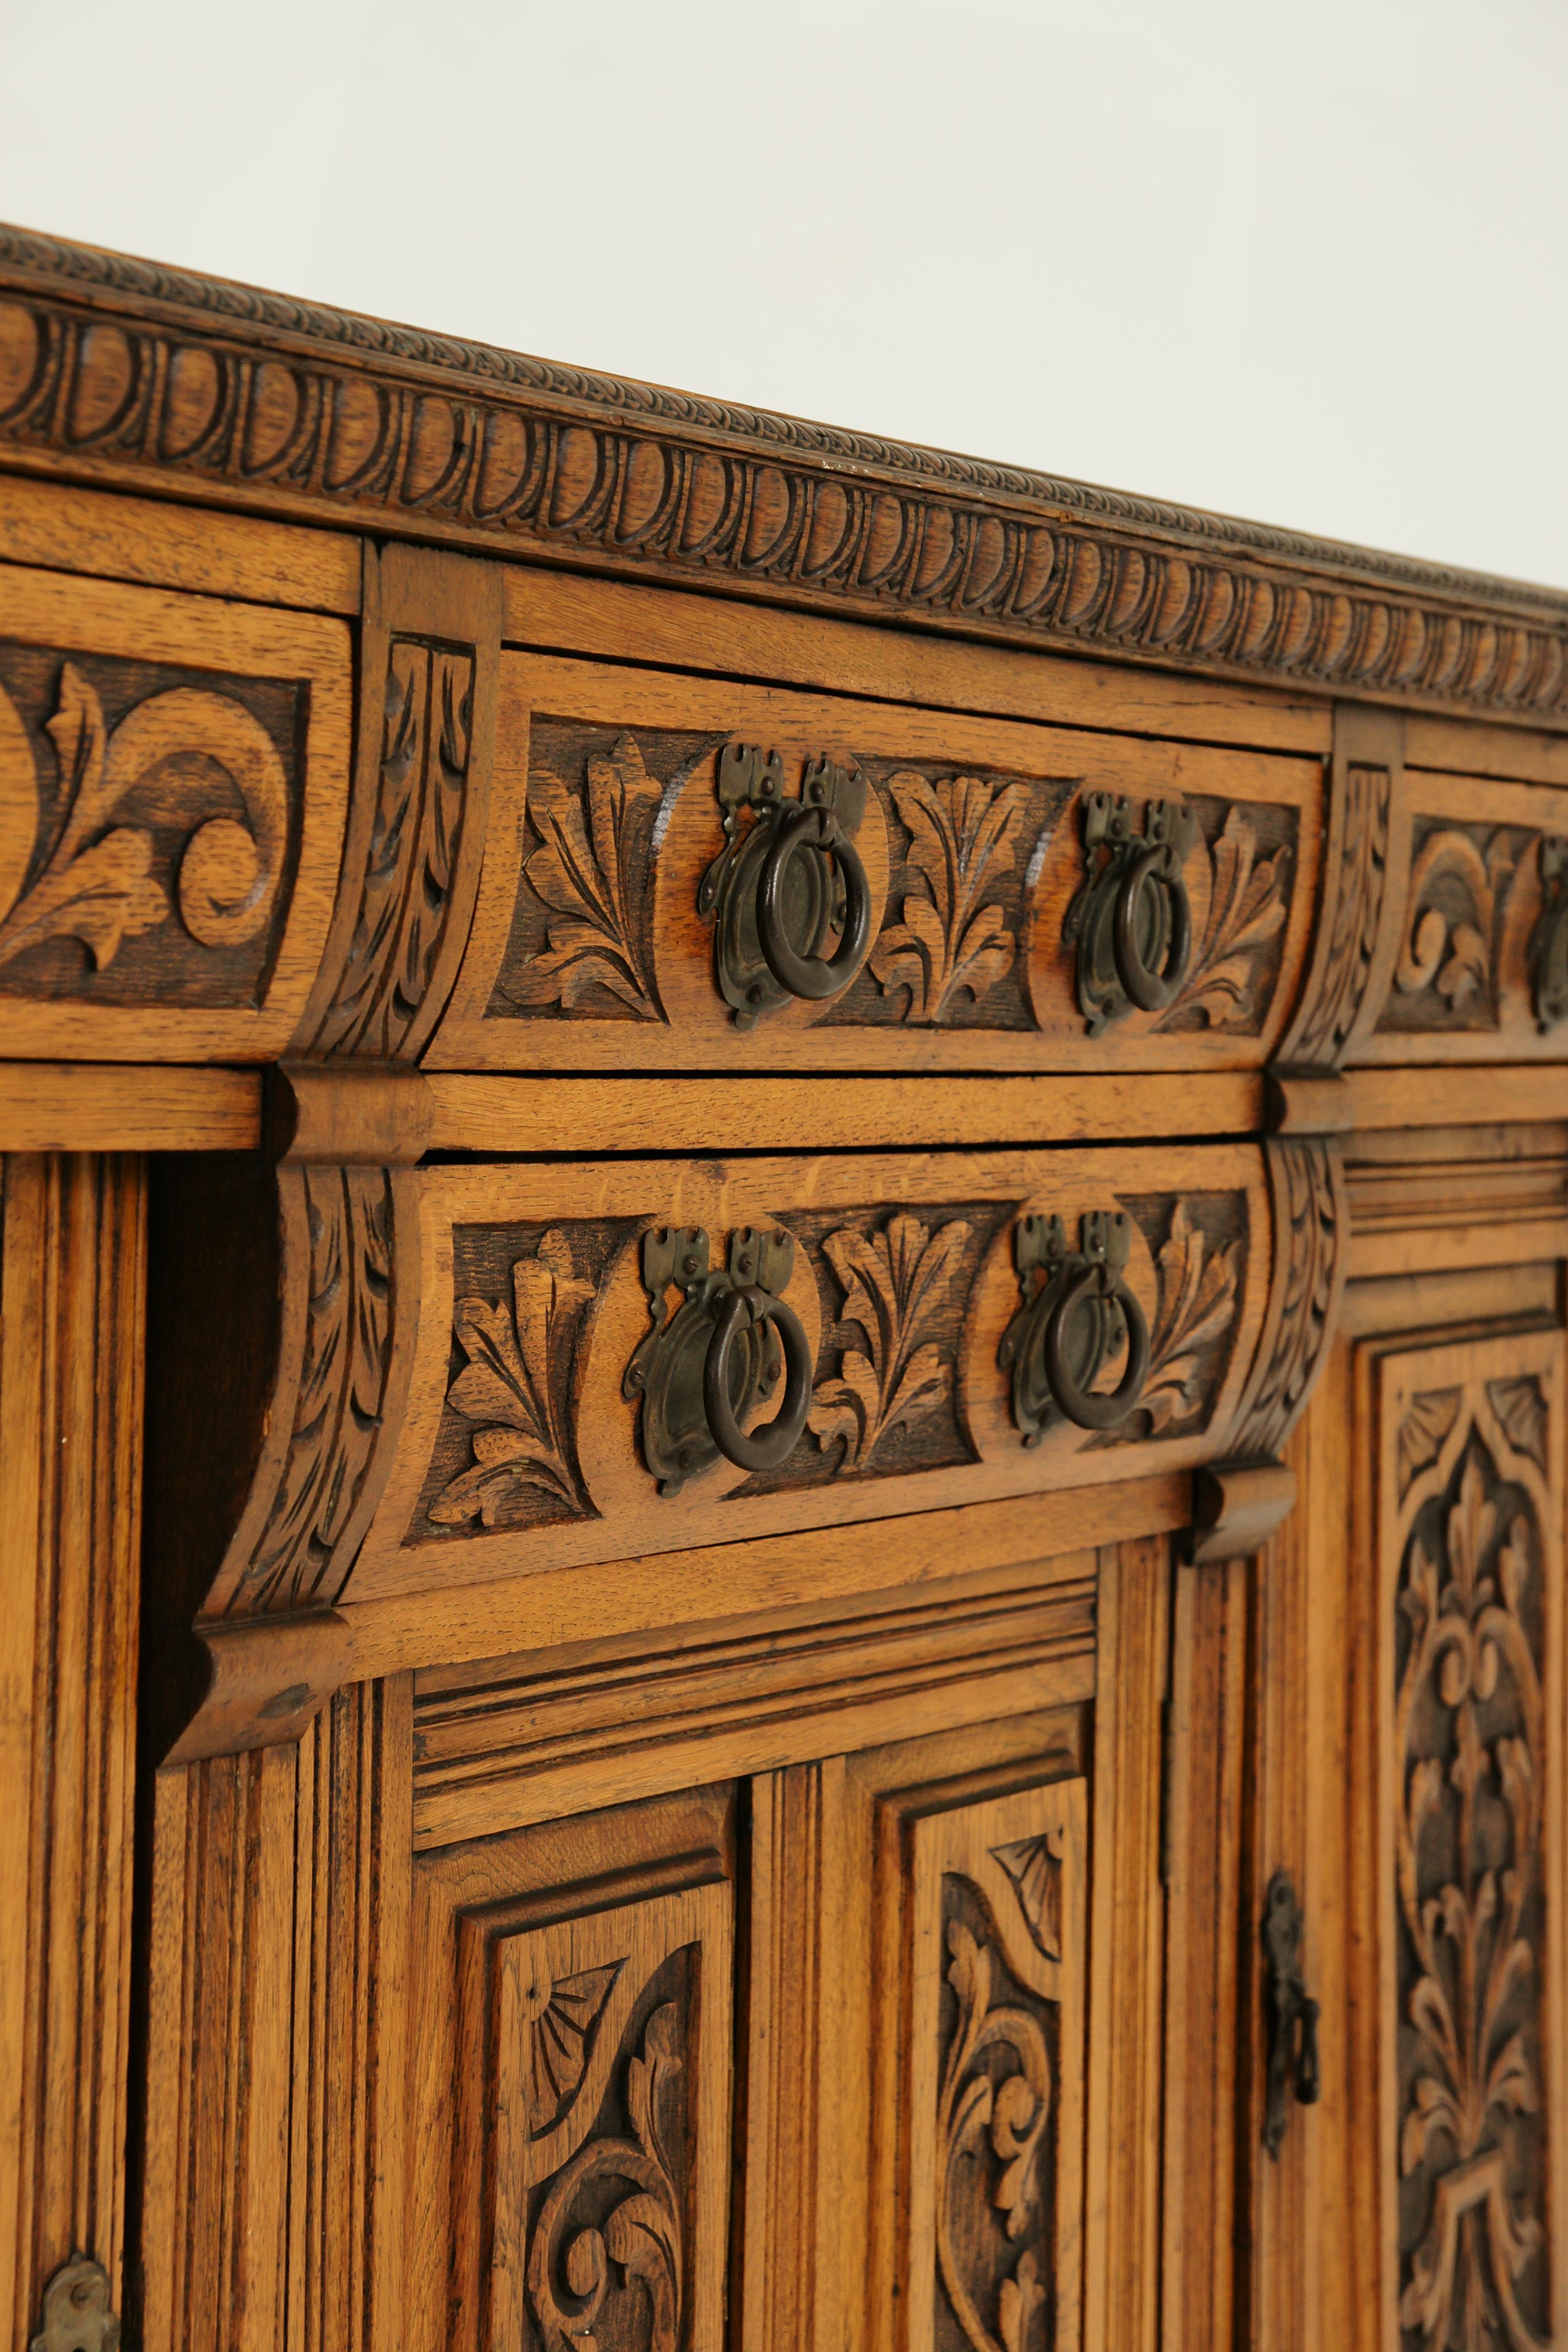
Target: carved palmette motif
1472	1613
999	1981
159	904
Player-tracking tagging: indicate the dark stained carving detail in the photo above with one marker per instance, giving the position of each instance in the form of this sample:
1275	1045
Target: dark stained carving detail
606	2252
1198	1286
334	1384
1246	905
1034	1866
787	881
505	1455
78	2313
1548	941
1424	1431
1447	976
1350	914
996	2132
897	1287
1472	1761
168	827
1521	1410
951	939
1310	1226
590	950
406	891
372	422
558	2031
515	1389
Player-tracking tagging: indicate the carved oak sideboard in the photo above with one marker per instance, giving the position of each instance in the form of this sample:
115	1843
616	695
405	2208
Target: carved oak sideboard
780	1381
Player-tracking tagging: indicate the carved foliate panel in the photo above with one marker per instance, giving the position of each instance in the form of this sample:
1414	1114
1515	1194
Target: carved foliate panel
165	874
1470	1520
995	2074
681	870
574	1985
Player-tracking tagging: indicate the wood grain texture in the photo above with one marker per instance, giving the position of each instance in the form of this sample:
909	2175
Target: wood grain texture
108	1106
72	1268
165	546
270	2171
127	372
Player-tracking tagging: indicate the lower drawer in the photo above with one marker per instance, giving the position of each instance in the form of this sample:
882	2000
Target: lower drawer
489	1373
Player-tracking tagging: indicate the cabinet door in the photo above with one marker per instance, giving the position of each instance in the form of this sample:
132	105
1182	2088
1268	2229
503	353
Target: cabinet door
1417	1799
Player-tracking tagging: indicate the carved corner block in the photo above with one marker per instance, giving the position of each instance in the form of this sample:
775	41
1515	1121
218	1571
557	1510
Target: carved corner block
1236	1505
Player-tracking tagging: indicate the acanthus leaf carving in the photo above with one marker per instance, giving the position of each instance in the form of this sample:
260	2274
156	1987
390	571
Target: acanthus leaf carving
1456	885
1248	904
894	1283
1470	1744
1311	1224
589	874
1424	1432
1196	1287
949	942
513	1386
980	2109
1352	913
641	2234
379	1007
97	885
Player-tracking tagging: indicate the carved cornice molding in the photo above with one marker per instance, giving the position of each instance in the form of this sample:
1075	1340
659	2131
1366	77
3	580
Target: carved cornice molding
123	369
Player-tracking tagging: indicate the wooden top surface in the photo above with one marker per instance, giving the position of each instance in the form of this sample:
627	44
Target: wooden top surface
123	371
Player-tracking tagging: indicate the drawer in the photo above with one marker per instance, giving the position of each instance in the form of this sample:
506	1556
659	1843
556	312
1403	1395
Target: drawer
1473	953
492	1374
663	855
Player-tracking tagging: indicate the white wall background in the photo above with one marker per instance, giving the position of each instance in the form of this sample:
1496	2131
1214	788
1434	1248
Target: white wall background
1308	263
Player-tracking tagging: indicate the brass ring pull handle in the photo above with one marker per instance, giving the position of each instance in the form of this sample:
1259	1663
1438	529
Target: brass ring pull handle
813	976
1156	869
1089	1411
762	1449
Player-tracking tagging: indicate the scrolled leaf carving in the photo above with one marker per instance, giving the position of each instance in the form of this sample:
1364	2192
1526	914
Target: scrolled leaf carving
1248	904
996	2106
1447	969
98	885
949	942
589	874
1197	1299
1470	1740
513	1389
615	2207
896	1283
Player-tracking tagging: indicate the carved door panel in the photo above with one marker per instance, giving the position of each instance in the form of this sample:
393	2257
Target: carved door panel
1412	1786
571	2084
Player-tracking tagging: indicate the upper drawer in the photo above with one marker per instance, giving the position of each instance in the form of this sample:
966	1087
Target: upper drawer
669	860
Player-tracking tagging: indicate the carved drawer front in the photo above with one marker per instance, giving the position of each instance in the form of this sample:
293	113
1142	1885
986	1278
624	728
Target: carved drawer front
678	872
887	1333
572	2083
1472	963
173	775
1468	1513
